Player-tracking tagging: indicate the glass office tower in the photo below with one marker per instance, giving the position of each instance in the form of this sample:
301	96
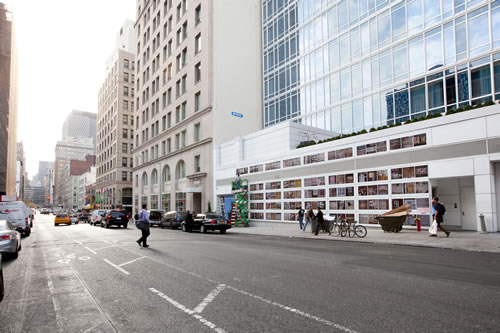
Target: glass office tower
350	65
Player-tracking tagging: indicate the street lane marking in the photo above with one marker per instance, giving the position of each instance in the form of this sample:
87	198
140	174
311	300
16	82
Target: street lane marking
117	267
296	311
104	247
131	261
90	250
78	242
188	311
210	297
284	307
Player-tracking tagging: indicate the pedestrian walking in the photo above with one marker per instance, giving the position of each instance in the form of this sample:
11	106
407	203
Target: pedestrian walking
189	222
439	210
321	223
301	218
309	217
143	224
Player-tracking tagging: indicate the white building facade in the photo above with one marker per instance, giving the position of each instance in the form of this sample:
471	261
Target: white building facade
86	179
455	157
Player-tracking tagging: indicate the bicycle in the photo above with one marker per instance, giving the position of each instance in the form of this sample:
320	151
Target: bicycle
351	229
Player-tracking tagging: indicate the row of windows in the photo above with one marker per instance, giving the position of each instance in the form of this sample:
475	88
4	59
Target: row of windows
441	46
471	83
181	142
180	173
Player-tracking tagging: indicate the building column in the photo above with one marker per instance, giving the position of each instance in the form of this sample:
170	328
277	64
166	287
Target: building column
484	187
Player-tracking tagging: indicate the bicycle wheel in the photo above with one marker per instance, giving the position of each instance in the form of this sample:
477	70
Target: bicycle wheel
343	231
360	231
336	230
351	231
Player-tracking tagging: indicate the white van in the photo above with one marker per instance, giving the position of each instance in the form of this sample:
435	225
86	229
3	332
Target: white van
16	213
96	216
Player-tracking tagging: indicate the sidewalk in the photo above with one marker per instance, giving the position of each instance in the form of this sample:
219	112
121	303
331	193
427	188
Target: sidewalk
458	240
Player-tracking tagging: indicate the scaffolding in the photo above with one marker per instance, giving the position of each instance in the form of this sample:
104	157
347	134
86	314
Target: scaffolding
239	209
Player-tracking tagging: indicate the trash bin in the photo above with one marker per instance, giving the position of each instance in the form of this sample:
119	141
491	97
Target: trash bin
392	223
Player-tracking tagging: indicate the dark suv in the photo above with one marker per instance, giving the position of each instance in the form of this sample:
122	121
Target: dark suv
115	217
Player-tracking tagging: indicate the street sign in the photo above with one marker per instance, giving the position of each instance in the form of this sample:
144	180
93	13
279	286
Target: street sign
236	114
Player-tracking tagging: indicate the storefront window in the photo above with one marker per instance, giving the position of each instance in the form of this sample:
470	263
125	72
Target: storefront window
154	202
165	202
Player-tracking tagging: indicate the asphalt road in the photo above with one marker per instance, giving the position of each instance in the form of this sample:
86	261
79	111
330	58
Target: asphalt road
82	278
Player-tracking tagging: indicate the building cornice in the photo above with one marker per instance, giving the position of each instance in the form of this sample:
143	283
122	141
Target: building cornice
172	129
174	153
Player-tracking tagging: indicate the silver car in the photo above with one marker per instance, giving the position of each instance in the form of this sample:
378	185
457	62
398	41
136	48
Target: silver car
10	239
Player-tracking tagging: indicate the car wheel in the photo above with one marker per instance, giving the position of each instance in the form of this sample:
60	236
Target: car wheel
125	226
107	225
222	231
55	224
16	254
184	228
1	285
20	246
203	230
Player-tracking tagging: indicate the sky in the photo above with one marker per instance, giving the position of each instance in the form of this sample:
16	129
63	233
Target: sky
62	47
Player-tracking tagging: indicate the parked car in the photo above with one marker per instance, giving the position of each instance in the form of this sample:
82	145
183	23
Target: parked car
10	239
74	218
155	217
16	213
62	218
173	219
96	216
115	217
44	211
212	222
2	289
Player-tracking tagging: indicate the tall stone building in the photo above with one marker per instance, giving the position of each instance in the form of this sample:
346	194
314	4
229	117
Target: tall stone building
115	121
8	103
198	83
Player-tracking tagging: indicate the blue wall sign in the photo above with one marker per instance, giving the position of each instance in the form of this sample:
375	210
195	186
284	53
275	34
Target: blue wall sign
236	114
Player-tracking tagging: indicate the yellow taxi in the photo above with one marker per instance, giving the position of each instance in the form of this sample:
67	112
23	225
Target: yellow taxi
62	218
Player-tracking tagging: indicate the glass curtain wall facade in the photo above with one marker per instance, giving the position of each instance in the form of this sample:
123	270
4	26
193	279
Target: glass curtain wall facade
350	65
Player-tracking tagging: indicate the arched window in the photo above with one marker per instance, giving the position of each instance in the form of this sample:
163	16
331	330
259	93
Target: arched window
154	177
144	181
166	177
180	171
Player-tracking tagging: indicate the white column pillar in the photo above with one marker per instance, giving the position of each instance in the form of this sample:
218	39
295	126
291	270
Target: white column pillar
484	186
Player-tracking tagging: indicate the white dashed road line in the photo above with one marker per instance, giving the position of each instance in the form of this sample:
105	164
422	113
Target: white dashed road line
117	267
131	261
210	297
192	313
301	313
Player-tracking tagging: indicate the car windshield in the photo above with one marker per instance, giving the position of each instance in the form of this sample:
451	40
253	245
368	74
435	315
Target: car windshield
155	215
117	213
62	215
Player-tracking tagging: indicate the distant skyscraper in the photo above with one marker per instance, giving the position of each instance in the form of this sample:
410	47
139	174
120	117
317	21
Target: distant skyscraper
80	124
8	103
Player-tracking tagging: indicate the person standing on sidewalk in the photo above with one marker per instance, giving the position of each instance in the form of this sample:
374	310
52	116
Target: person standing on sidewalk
189	222
309	217
439	211
143	224
321	223
301	218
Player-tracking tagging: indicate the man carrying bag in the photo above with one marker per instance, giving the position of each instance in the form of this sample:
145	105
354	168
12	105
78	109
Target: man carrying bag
142	223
